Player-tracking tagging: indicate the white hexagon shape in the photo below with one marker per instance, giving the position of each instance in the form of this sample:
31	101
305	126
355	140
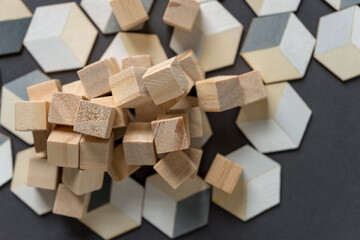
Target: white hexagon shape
341	4
103	17
214	38
338	45
276	123
6	160
268	7
60	37
279	46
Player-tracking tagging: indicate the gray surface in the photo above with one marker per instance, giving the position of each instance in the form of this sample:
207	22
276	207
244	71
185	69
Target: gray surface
320	180
347	3
266	32
12	34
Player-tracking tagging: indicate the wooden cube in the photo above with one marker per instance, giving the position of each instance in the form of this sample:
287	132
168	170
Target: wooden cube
40	140
223	174
41	174
148	111
121	117
119	170
195	155
44	91
63	147
185	116
143	61
96	153
187	207
219	93
252	87
195	120
191	65
181	14
165	81
76	88
31	116
64	108
258	188
270	7
128	88
129	13
175	168
95	77
139	144
95	120
70	205
170	135
82	181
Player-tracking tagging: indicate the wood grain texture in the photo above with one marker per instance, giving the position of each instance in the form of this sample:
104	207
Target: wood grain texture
148	111
82	181
195	120
223	174
181	14
195	154
70	205
143	61
44	91
40	140
190	64
63	146
175	168
170	135
252	87
165	81
95	77
76	88
64	108
31	116
139	144
95	120
129	13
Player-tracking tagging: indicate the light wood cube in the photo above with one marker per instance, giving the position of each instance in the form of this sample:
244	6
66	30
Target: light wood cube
191	66
96	153
195	155
129	13
82	181
176	212
6	159
258	188
270	7
95	77
70	205
31	116
40	140
41	174
60	37
128	88
181	14
95	120
139	144
252	87
195	120
165	81
148	111
276	123
76	88
143	61
63	147
279	47
175	168
64	108
44	91
170	135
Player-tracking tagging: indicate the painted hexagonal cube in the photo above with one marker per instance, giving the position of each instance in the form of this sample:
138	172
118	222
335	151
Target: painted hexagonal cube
341	4
268	7
6	159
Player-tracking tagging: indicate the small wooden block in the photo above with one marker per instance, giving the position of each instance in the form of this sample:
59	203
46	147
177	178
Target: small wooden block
182	14
195	120
121	117
195	155
129	13
128	88
223	174
82	181
64	108
95	77
40	140
148	111
165	81
191	65
170	135
44	91
143	61
95	119
219	93
95	153
139	144
175	168
31	115
41	174
63	147
185	116
252	87
70	205
119	170
76	88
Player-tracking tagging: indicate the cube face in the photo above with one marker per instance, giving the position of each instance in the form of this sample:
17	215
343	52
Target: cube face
42	174
191	65
181	14
199	142
6	170
136	61
67	34
14	30
31	116
277	123
44	91
252	87
341	4
279	46
338	42
195	120
40	140
82	181
13	10
64	108
268	7
76	88
148	112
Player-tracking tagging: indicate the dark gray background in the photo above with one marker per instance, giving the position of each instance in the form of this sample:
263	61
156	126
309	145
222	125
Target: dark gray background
320	181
